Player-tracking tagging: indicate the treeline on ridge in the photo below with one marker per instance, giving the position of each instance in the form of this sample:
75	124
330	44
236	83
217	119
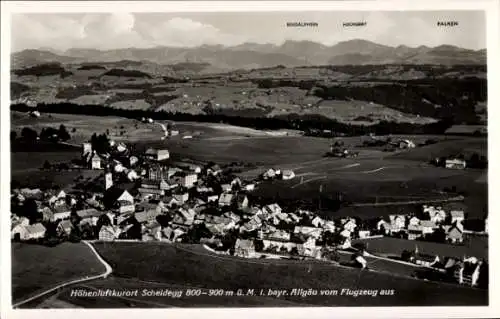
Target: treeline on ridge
310	123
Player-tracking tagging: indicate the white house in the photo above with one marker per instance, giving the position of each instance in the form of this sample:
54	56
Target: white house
288	174
455	164
157	155
188	180
95	161
457	216
27	232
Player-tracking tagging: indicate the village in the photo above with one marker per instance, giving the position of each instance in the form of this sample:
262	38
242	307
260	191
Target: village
147	197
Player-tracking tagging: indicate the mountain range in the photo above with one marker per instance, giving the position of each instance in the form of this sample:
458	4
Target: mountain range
254	55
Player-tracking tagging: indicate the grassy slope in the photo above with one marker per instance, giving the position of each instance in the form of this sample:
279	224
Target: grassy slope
164	263
38	268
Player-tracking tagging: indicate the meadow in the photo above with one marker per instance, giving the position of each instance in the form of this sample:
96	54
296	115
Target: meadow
37	268
186	265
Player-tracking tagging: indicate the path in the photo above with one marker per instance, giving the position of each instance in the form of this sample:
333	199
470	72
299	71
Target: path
108	271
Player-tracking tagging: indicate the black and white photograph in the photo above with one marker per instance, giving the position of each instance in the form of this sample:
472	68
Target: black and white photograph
247	159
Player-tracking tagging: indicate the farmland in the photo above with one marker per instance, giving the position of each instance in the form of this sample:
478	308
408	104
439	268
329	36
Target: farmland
37	268
189	266
373	176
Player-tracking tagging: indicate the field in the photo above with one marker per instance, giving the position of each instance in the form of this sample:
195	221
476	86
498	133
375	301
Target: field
473	246
373	176
191	266
38	268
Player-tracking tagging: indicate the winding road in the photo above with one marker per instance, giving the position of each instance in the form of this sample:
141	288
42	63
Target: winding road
108	271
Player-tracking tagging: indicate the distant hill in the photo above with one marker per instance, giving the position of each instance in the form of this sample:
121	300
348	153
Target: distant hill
254	55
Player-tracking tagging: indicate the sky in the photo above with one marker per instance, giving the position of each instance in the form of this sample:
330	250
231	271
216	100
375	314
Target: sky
105	31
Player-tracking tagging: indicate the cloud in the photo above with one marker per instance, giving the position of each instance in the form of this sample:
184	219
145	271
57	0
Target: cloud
125	30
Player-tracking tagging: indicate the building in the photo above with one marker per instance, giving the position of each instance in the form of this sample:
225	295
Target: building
61	212
427	227
414	232
226	199
455	234
467	272
86	151
64	227
455	164
89	216
406	144
288	174
188	180
109	233
457	216
242	201
108	180
157	155
154	193
28	232
95	161
244	248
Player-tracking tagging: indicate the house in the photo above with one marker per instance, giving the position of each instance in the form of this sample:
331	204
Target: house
398	222
157	155
170	201
249	187
467	272
436	215
424	260
244	248
279	235
47	213
18	228
28	232
212	198
269	174
95	161
414	232
226	188
226	199
181	198
242	201
427	227
329	225
114	195
272	209
109	233
455	234
64	227
348	224
363	233
457	216
309	249
147	215
317	221
236	182
188	180
187	215
308	231
151	192
288	174
414	221
89	216
406	144
455	164
214	170
61	212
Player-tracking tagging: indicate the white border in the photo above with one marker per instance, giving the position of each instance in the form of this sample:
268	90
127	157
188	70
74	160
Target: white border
491	7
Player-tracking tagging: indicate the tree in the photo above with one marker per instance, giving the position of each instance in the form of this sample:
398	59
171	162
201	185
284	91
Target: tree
30	211
63	133
406	255
46	165
13	135
29	134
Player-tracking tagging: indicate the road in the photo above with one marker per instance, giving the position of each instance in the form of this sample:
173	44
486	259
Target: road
107	272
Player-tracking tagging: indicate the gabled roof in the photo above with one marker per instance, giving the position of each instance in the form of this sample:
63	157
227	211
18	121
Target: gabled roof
244	244
428	223
457	214
61	208
35	228
149	214
425	257
65	224
90	212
